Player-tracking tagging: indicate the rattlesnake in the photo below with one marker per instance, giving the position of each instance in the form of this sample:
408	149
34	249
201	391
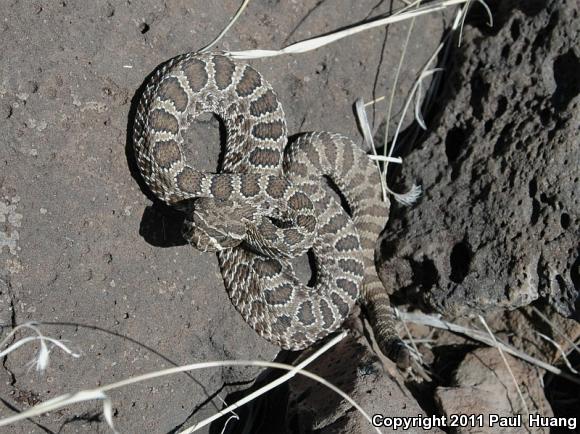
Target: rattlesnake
268	203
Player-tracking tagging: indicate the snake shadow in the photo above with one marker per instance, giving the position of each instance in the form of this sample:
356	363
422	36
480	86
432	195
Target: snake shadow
160	224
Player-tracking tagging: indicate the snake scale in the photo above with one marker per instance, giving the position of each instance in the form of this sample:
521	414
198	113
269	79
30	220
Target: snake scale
268	203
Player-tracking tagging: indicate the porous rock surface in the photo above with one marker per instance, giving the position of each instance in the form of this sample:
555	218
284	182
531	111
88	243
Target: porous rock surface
498	225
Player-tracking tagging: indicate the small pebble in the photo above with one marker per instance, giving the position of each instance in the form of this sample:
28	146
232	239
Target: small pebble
31	87
5	111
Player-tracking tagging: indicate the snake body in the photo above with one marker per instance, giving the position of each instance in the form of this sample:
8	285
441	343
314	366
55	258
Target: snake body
269	203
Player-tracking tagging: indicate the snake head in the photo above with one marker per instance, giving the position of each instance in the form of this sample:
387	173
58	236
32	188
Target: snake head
213	225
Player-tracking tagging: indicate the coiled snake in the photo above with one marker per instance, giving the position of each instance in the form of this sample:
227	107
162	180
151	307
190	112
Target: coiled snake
269	202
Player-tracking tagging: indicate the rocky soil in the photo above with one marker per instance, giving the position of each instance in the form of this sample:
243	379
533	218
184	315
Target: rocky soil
85	249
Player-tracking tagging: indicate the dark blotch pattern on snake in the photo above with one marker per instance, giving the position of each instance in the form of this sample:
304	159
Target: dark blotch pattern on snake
269	203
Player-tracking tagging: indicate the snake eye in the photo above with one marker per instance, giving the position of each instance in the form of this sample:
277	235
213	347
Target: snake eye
280	223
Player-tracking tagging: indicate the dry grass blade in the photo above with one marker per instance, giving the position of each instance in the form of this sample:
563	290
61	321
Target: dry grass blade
419	96
293	370
382	158
374	101
100	392
407	198
364	126
42	357
556	329
64	401
414	193
267	387
320	41
394	85
435	321
424	73
226	28
464	16
412	340
507	365
560	350
370	144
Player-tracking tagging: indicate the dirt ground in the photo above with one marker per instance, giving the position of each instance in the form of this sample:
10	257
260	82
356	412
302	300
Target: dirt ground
82	247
